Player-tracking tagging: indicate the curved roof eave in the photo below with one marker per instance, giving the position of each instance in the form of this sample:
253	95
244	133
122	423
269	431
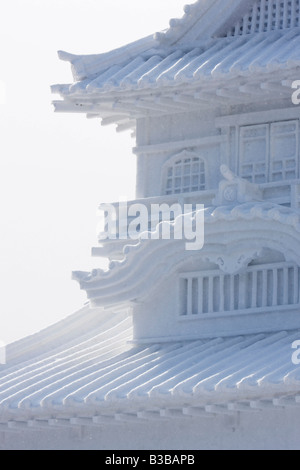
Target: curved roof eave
203	15
251	229
84	66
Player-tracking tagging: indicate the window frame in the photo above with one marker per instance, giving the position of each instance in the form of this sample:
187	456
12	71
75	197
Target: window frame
269	159
169	174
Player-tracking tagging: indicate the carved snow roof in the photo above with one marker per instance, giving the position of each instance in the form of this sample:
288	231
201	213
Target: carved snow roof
219	53
226	58
212	13
202	20
135	277
101	374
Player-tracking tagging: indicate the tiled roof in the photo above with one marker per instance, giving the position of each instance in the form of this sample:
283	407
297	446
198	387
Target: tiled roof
221	58
104	372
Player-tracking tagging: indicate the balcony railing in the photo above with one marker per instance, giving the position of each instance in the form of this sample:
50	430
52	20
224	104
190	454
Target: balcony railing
258	288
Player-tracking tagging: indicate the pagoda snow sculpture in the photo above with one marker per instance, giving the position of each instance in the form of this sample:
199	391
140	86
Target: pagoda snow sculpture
183	348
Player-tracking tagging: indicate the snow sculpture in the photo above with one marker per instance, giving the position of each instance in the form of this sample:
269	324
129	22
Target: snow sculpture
210	104
171	336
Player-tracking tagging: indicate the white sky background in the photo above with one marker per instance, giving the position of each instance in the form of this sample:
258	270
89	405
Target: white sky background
56	168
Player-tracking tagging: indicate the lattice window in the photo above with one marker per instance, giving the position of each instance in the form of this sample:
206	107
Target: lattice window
253	153
185	175
268	15
260	287
283	151
269	152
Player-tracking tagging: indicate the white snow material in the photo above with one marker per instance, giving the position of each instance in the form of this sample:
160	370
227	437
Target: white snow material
140	270
105	372
205	18
225	58
86	65
231	18
202	13
268	15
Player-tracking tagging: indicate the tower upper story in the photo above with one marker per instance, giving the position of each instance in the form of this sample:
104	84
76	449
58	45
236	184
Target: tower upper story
212	103
202	94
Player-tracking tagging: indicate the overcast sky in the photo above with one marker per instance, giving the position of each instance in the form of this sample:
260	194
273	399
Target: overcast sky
56	168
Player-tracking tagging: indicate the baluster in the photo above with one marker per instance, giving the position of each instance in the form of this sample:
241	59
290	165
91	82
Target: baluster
296	285
262	16
189	296
254	18
246	25
277	20
275	287
243	284
264	287
231	297
200	294
254	290
238	27
210	294
222	295
270	14
285	16
285	286
297	14
293	14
